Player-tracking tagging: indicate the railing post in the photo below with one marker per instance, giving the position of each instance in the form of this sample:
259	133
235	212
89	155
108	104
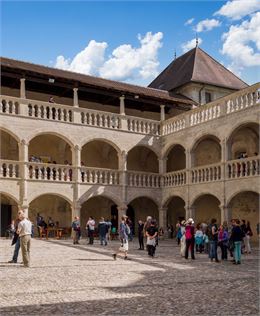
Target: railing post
22	88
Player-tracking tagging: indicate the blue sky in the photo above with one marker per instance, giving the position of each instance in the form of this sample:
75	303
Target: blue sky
101	38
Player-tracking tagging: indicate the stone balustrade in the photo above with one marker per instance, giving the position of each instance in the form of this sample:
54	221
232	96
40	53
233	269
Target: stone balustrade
173	179
9	169
100	119
49	111
9	105
207	173
143	126
100	176
231	103
51	172
143	179
244	167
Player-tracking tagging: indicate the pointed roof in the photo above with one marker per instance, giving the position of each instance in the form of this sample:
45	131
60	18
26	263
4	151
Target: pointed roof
196	66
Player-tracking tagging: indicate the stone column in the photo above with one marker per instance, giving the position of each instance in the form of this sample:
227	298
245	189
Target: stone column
223	158
23	171
75	98
225	214
121	211
122	159
163	218
190	212
22	88
122	105
162	112
162	165
188	165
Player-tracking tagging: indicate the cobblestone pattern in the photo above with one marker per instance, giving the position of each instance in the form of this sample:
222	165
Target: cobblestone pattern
84	280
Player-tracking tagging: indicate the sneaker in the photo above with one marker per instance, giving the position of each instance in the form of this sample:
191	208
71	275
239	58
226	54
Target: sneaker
12	261
238	262
126	258
114	256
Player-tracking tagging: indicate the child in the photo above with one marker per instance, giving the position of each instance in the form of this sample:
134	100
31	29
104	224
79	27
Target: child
199	239
206	242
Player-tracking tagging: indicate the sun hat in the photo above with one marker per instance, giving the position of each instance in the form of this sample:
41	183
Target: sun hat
190	221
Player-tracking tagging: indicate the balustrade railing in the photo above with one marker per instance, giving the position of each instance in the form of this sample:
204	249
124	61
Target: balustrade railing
51	172
99	176
143	126
207	173
49	111
175	178
143	179
244	167
9	106
9	169
100	119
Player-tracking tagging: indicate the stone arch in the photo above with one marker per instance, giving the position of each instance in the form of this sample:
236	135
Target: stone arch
9	145
234	194
59	147
176	158
175	210
53	205
205	207
99	191
50	193
100	153
8	131
30	137
9	208
142	158
205	150
101	139
9	195
238	141
244	205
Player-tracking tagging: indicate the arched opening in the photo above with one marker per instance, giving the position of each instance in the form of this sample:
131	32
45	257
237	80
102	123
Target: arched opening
245	205
8	147
9	209
176	159
97	207
206	151
207	207
140	208
141	158
50	148
175	210
54	206
99	154
244	142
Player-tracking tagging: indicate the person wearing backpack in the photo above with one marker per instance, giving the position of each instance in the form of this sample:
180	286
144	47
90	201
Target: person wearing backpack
190	239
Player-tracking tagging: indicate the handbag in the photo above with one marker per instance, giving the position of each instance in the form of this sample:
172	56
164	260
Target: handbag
151	242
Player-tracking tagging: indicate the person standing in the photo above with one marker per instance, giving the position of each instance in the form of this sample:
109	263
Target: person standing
213	240
141	235
102	231
190	240
151	234
16	242
237	237
223	241
124	232
91	228
25	230
249	234
76	230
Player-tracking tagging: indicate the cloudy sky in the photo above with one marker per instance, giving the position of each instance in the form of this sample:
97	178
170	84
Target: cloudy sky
131	41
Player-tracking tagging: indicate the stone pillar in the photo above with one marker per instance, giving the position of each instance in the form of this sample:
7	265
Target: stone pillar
22	88
190	212
162	165
163	218
75	210
122	105
75	98
188	165
224	158
121	211
23	170
225	214
122	159
162	112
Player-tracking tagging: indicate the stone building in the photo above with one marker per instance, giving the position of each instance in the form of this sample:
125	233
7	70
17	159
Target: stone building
186	146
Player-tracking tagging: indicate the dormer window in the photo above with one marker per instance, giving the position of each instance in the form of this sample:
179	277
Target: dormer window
208	97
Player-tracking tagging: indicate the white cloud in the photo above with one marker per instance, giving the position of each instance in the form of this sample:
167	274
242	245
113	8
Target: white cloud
237	9
188	22
207	25
242	44
190	44
125	63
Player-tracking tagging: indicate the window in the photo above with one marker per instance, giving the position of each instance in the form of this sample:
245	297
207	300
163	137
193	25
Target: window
208	97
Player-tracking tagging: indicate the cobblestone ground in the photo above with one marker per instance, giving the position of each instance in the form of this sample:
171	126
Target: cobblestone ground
84	280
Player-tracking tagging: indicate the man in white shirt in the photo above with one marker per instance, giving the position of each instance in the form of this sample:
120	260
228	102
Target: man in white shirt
25	231
91	228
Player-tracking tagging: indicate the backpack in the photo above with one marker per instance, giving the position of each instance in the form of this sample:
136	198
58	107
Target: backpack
188	234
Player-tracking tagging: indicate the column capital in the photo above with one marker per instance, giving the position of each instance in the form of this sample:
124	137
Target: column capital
77	147
122	208
23	142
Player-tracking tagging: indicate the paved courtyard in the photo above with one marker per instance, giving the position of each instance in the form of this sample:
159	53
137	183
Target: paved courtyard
84	280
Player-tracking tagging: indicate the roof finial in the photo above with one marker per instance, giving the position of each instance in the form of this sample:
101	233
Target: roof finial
197	40
175	55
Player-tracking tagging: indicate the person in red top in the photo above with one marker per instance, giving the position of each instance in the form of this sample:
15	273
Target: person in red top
190	239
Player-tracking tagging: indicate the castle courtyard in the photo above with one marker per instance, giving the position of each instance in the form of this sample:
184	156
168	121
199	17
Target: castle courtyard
65	279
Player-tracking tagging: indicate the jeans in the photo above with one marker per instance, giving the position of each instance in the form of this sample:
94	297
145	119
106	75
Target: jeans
151	250
223	247
103	239
237	251
213	245
16	250
141	241
91	236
